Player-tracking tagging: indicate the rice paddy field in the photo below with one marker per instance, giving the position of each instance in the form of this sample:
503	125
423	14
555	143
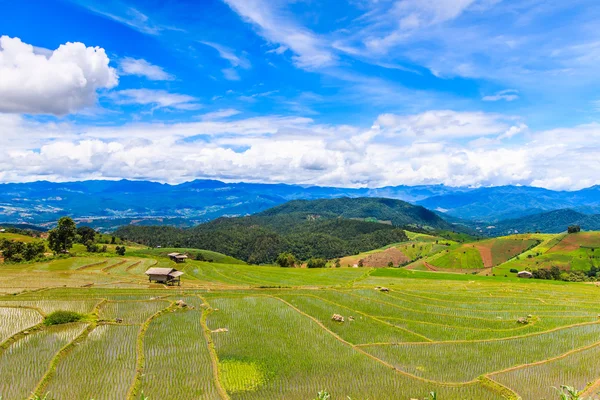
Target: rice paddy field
263	332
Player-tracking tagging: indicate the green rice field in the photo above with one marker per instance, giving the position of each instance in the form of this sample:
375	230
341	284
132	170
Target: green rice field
263	332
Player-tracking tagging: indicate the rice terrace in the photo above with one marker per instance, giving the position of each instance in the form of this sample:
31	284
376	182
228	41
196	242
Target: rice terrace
91	326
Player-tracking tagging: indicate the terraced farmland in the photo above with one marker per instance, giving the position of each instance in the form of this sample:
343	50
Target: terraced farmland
262	332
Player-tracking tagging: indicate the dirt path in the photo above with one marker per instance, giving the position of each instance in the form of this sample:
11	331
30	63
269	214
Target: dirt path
430	267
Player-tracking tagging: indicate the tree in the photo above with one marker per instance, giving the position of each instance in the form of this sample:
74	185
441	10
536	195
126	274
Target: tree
16	251
390	264
34	250
120	250
86	234
61	238
573	229
92	247
361	263
338	264
316	263
113	240
286	260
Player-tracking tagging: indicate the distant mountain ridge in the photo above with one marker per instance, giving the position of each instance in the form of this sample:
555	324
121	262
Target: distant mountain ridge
186	204
110	204
555	221
505	202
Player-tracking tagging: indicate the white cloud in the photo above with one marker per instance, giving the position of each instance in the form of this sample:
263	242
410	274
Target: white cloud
141	67
220	114
507	95
228	54
61	82
130	17
298	150
310	50
443	124
155	98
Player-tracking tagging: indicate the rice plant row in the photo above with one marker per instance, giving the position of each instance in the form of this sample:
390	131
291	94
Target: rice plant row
285	355
131	312
14	320
176	352
101	367
24	363
48	305
538	381
461	362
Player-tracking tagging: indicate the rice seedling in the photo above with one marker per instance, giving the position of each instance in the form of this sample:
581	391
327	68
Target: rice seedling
539	381
14	320
175	351
25	361
298	355
131	312
108	354
356	328
461	362
48	306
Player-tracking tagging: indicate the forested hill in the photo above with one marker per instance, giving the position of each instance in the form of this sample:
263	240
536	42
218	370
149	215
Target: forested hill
319	228
396	212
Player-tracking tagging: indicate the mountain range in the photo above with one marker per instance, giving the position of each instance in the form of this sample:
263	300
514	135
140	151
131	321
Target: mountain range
109	204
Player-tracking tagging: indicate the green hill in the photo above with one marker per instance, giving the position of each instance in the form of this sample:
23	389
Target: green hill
394	212
319	228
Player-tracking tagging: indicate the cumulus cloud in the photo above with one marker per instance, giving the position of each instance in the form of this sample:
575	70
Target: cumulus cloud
156	98
299	150
141	67
60	82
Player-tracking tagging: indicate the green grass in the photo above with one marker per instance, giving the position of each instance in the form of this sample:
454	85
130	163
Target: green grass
62	317
162	252
462	257
17	237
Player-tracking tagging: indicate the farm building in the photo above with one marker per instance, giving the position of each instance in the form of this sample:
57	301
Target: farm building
177	257
168	276
525	274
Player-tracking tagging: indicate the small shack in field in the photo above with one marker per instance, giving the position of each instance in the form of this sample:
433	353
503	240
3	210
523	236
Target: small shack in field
525	274
177	257
169	276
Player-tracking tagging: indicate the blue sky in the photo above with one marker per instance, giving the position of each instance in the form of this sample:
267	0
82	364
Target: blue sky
343	93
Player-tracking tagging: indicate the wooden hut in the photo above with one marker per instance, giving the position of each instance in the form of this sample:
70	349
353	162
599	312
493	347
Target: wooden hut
168	276
525	274
177	257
